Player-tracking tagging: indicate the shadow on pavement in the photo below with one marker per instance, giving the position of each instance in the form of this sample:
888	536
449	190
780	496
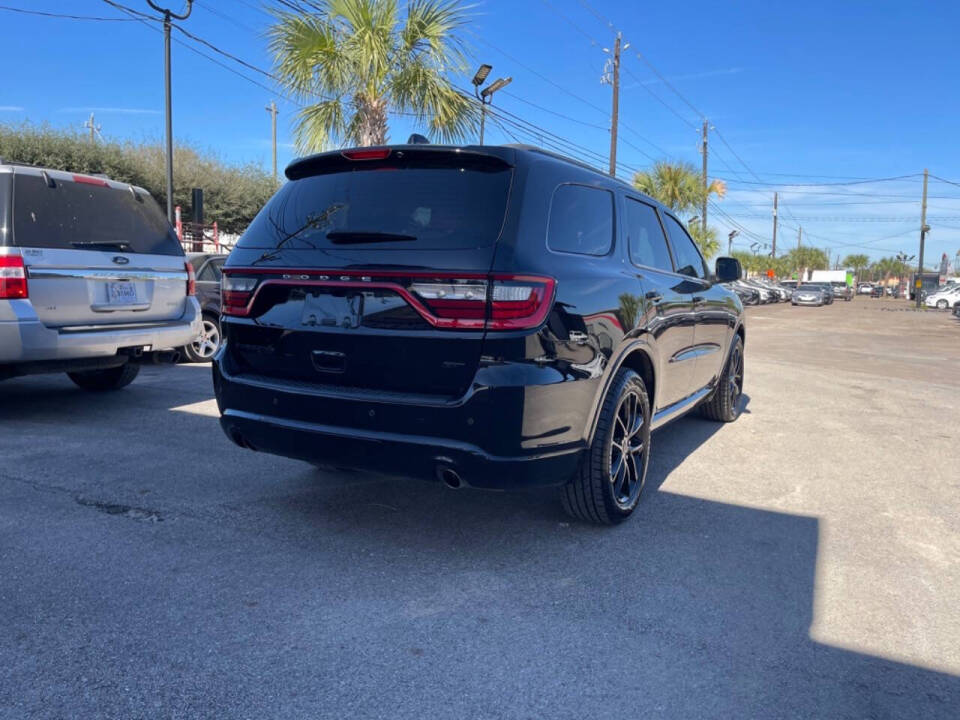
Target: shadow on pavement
400	598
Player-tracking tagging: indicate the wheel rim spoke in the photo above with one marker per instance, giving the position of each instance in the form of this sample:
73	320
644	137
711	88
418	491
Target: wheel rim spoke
626	449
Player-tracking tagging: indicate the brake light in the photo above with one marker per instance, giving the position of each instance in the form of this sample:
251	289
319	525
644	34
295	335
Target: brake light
87	180
451	301
13	278
191	280
504	302
367	154
235	294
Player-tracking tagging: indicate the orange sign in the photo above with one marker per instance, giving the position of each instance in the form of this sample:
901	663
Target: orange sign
770	274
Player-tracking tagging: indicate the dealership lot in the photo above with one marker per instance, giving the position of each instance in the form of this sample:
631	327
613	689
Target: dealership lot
803	561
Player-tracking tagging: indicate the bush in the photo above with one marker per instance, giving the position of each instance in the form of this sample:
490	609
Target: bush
232	194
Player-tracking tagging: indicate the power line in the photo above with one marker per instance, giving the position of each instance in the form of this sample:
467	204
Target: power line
825	184
62	16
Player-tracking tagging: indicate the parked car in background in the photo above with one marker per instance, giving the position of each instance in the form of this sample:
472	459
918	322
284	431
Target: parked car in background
825	287
487	316
842	290
766	294
877	291
944	298
207	267
92	278
747	295
808	294
864	289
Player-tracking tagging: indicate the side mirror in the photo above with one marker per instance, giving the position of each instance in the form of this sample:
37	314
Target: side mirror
728	269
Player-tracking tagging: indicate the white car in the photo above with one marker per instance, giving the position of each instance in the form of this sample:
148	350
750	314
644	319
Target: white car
944	298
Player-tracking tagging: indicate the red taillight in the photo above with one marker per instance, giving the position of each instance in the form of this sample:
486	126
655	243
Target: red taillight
235	294
87	180
367	154
13	278
504	302
191	280
451	301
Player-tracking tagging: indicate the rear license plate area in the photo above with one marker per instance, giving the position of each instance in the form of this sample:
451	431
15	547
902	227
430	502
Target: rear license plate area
121	293
328	310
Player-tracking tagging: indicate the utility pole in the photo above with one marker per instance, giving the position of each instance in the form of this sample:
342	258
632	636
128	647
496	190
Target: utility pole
272	109
923	236
703	151
799	269
93	128
167	14
774	223
615	113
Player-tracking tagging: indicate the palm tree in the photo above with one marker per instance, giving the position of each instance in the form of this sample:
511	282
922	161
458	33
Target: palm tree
680	187
355	61
857	262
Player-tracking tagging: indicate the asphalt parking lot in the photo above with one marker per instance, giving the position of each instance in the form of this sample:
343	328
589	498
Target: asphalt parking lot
802	562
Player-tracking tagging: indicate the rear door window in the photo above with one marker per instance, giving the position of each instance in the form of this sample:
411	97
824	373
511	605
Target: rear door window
211	271
646	241
405	206
581	220
688	258
79	215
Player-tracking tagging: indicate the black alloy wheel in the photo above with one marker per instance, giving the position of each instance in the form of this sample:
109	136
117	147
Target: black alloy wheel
627	447
607	486
724	404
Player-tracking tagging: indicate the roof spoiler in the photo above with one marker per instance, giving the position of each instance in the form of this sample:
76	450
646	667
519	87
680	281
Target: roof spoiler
487	158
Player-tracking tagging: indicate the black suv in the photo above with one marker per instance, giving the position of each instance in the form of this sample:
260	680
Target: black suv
492	317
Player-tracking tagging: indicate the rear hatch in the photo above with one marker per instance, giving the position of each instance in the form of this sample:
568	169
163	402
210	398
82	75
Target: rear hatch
370	270
96	252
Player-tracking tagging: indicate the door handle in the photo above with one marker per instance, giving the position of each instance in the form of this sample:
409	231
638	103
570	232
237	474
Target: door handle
653	296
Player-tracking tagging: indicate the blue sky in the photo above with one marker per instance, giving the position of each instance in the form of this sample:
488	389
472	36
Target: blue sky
804	94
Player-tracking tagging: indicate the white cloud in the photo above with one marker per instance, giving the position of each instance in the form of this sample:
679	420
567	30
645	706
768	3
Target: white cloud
11	108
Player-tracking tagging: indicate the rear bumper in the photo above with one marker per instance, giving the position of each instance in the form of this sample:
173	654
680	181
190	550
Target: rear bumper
25	339
479	436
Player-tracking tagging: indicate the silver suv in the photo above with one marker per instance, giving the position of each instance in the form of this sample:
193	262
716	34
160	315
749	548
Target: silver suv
92	278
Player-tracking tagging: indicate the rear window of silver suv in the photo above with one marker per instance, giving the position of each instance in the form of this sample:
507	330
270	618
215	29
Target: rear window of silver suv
88	214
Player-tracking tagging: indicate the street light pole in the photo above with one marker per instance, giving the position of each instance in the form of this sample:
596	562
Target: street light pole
167	14
730	237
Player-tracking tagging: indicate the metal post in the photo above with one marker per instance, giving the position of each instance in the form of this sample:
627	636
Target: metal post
167	14
703	210
918	284
774	224
483	117
272	109
615	114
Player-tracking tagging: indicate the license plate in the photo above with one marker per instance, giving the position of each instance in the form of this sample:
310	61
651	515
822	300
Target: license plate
121	293
326	310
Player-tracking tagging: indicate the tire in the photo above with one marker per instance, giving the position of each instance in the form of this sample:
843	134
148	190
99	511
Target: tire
724	404
942	304
106	380
206	346
599	492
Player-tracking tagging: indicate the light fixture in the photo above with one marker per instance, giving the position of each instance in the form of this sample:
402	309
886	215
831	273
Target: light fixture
481	75
489	90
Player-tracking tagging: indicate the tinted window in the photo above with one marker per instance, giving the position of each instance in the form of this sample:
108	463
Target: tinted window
388	207
581	220
211	271
689	261
76	215
646	241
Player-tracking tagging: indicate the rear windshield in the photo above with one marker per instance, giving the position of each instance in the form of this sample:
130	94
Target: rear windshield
77	216
386	207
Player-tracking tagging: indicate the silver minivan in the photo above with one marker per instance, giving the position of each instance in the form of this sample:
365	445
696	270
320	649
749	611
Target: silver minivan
93	279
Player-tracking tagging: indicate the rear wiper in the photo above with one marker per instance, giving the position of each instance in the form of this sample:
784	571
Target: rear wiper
345	237
114	245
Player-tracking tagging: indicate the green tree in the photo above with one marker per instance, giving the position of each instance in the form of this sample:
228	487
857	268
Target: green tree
355	61
232	194
856	262
679	186
807	258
